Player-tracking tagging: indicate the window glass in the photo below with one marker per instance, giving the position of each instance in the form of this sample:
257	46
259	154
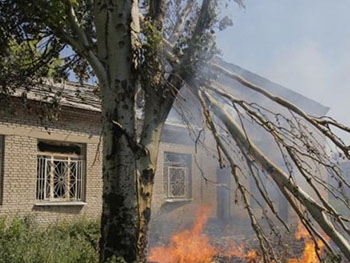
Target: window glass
177	175
60	171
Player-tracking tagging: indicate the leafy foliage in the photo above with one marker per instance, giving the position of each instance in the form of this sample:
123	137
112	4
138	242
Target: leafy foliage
30	49
23	241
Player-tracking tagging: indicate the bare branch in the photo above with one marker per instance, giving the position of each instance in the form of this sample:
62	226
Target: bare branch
181	20
263	240
319	125
282	180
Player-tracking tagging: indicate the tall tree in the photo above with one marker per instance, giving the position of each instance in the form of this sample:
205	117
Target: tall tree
149	51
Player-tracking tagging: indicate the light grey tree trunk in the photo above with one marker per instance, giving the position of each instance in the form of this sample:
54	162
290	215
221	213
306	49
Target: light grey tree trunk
119	217
128	165
119	224
128	177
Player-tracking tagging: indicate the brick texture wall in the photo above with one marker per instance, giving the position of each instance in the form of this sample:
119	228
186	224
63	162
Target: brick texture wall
22	128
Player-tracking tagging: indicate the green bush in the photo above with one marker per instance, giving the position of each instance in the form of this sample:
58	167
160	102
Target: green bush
23	241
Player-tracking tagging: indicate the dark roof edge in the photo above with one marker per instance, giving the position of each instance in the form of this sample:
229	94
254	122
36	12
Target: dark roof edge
273	87
71	94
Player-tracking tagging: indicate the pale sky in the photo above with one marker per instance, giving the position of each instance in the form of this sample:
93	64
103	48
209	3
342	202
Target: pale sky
303	45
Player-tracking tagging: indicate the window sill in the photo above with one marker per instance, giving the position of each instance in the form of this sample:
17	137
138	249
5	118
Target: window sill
77	203
174	200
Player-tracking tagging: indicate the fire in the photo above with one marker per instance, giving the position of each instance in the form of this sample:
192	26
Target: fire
239	251
188	246
309	254
192	246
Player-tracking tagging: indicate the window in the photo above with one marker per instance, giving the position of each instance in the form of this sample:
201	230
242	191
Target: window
177	175
60	172
1	165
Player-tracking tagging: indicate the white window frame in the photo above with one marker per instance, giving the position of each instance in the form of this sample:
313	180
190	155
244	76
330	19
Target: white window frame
185	168
60	178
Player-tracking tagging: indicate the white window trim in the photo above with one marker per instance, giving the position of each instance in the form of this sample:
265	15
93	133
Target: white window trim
187	197
72	203
67	200
175	200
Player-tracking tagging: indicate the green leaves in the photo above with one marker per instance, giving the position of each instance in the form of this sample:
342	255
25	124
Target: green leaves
23	241
34	34
153	37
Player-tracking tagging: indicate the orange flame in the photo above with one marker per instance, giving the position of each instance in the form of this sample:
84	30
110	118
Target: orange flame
309	254
192	246
188	246
239	251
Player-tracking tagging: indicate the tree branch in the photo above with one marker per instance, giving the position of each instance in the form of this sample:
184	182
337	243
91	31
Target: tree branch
263	240
85	45
319	125
279	176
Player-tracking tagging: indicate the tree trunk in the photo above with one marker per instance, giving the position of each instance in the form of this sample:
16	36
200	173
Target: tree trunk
128	176
156	111
145	189
128	166
119	224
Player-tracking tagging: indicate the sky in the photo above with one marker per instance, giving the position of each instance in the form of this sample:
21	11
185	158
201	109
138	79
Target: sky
303	45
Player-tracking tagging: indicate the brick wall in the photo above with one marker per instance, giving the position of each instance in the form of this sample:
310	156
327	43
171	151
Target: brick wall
22	129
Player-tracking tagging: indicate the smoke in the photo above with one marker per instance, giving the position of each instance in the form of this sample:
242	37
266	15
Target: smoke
307	69
288	45
298	44
323	76
303	68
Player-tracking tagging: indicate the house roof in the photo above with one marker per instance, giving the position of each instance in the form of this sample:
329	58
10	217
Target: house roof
70	94
308	105
86	96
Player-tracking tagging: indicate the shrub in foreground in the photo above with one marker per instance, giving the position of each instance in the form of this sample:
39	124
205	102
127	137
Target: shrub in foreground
23	241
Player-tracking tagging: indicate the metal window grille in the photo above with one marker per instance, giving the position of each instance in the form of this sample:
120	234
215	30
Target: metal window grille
60	178
177	182
177	172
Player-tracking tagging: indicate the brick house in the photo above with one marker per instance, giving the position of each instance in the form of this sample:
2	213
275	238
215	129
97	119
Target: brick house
52	170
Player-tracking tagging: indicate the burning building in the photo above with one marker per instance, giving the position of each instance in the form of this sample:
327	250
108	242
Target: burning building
52	170
189	174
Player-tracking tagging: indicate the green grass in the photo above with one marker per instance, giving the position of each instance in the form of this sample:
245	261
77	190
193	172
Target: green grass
23	241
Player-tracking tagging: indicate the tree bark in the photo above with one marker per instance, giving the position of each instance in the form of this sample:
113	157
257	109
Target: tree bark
119	223
128	175
156	110
128	165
